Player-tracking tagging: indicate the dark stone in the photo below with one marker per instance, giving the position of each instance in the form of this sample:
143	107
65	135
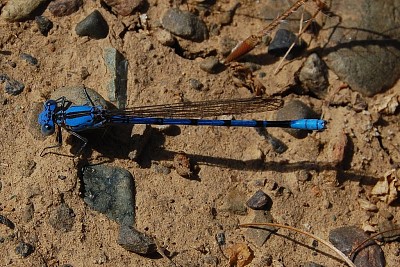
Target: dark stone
110	191
185	25
296	110
44	24
60	8
135	241
259	201
221	240
93	26
196	84
349	237
281	43
30	59
12	87
313	76
4	220
62	218
24	249
260	234
211	65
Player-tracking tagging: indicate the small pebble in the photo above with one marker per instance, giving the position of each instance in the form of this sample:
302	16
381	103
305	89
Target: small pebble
44	24
13	87
259	201
313	76
221	238
296	110
182	165
84	73
24	249
184	24
124	7
260	234
165	38
4	220
282	41
60	8
30	59
62	218
135	241
93	26
210	65
196	84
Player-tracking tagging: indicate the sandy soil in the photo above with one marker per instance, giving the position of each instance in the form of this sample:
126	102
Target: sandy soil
178	212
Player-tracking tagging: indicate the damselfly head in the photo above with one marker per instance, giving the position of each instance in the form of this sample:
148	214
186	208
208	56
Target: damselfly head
45	118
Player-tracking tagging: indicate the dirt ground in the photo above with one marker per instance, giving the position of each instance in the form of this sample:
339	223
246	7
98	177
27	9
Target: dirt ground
185	215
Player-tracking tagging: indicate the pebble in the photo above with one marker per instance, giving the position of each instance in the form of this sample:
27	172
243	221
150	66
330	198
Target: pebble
117	67
7	222
24	249
373	65
296	110
110	190
182	165
62	218
12	87
16	10
196	84
220	237
135	241
124	7
44	24
165	38
28	212
60	8
234	202
282	41
29	58
259	201
348	237
184	24
313	76
210	65
260	234
93	26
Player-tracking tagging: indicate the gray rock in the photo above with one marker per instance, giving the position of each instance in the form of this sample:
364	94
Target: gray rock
313	76
24	249
281	43
12	87
117	66
110	191
7	222
29	58
60	8
62	218
93	26
259	201
260	234
135	241
296	110
184	24
76	95
365	50
210	65
348	237
44	24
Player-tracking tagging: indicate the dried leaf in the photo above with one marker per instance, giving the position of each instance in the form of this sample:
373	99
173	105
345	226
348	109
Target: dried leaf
386	189
240	255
